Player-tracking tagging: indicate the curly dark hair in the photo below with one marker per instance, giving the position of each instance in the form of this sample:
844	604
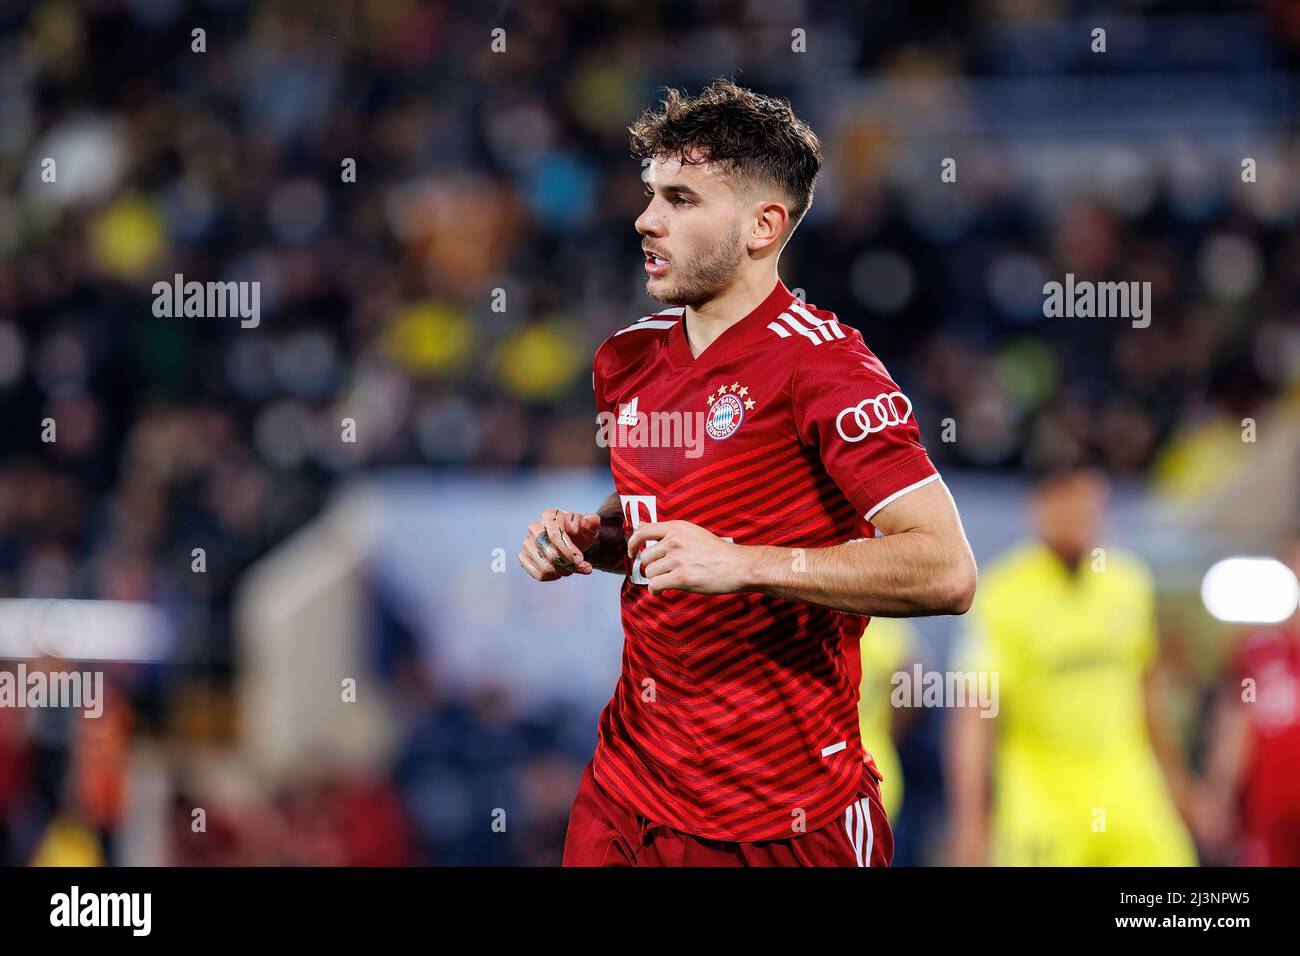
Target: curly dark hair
752	136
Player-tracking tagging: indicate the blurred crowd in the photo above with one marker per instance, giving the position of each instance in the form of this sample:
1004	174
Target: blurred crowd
447	292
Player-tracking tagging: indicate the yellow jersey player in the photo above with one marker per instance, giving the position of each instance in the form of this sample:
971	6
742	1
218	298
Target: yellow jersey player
1077	763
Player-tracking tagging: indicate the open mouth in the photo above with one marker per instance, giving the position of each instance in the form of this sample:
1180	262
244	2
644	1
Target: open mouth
655	264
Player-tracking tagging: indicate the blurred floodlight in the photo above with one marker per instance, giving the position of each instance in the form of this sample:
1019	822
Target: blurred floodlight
1250	590
82	630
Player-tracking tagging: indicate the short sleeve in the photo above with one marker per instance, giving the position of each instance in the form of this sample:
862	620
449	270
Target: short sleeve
849	409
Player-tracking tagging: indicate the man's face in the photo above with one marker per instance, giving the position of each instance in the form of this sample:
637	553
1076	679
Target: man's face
691	232
1069	512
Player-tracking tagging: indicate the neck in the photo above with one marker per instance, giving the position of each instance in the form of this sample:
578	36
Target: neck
1071	559
708	320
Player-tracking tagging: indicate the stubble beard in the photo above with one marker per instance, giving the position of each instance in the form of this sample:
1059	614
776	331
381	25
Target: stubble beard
704	277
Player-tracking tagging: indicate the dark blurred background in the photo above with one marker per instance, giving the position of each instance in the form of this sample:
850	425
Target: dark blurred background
448	301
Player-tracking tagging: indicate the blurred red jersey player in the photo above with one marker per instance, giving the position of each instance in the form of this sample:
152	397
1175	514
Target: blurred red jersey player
757	447
1254	755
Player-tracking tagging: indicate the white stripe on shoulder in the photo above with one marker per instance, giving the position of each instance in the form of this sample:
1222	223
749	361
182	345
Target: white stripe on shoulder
817	330
795	326
827	327
659	320
648	324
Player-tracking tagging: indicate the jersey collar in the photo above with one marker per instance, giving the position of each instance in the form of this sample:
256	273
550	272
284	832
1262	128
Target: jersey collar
740	336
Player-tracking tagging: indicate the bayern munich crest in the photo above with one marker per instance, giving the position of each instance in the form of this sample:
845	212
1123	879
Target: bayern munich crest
727	407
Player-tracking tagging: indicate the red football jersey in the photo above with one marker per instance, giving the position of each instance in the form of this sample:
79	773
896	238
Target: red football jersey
736	716
1271	657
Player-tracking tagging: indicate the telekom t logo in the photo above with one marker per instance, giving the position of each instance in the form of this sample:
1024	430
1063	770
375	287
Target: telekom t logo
639	510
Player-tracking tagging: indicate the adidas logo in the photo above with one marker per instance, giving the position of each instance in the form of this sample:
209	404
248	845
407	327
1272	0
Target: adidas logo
627	413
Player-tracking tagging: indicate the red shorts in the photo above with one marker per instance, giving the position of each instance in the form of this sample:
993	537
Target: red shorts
603	832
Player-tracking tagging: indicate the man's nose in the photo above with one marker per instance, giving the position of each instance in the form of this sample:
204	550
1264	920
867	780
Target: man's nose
649	224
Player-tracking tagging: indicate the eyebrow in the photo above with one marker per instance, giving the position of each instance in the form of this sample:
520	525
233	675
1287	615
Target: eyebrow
678	188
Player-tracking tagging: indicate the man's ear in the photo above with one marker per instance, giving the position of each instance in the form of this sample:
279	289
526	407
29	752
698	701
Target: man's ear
769	226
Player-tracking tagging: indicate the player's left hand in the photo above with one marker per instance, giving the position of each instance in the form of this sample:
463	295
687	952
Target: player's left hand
685	557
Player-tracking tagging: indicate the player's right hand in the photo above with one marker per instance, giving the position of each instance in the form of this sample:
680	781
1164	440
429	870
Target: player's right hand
555	542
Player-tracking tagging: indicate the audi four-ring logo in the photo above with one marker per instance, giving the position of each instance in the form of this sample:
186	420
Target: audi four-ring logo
875	414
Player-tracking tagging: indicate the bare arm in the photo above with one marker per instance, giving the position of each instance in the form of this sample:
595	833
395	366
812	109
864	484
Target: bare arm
1228	744
1227	753
922	565
966	763
1168	752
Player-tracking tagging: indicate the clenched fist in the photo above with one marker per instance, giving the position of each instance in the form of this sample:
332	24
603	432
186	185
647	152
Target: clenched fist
555	542
681	556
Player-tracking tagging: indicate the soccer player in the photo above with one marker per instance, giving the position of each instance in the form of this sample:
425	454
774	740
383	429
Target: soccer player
1254	745
1083	769
750	553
